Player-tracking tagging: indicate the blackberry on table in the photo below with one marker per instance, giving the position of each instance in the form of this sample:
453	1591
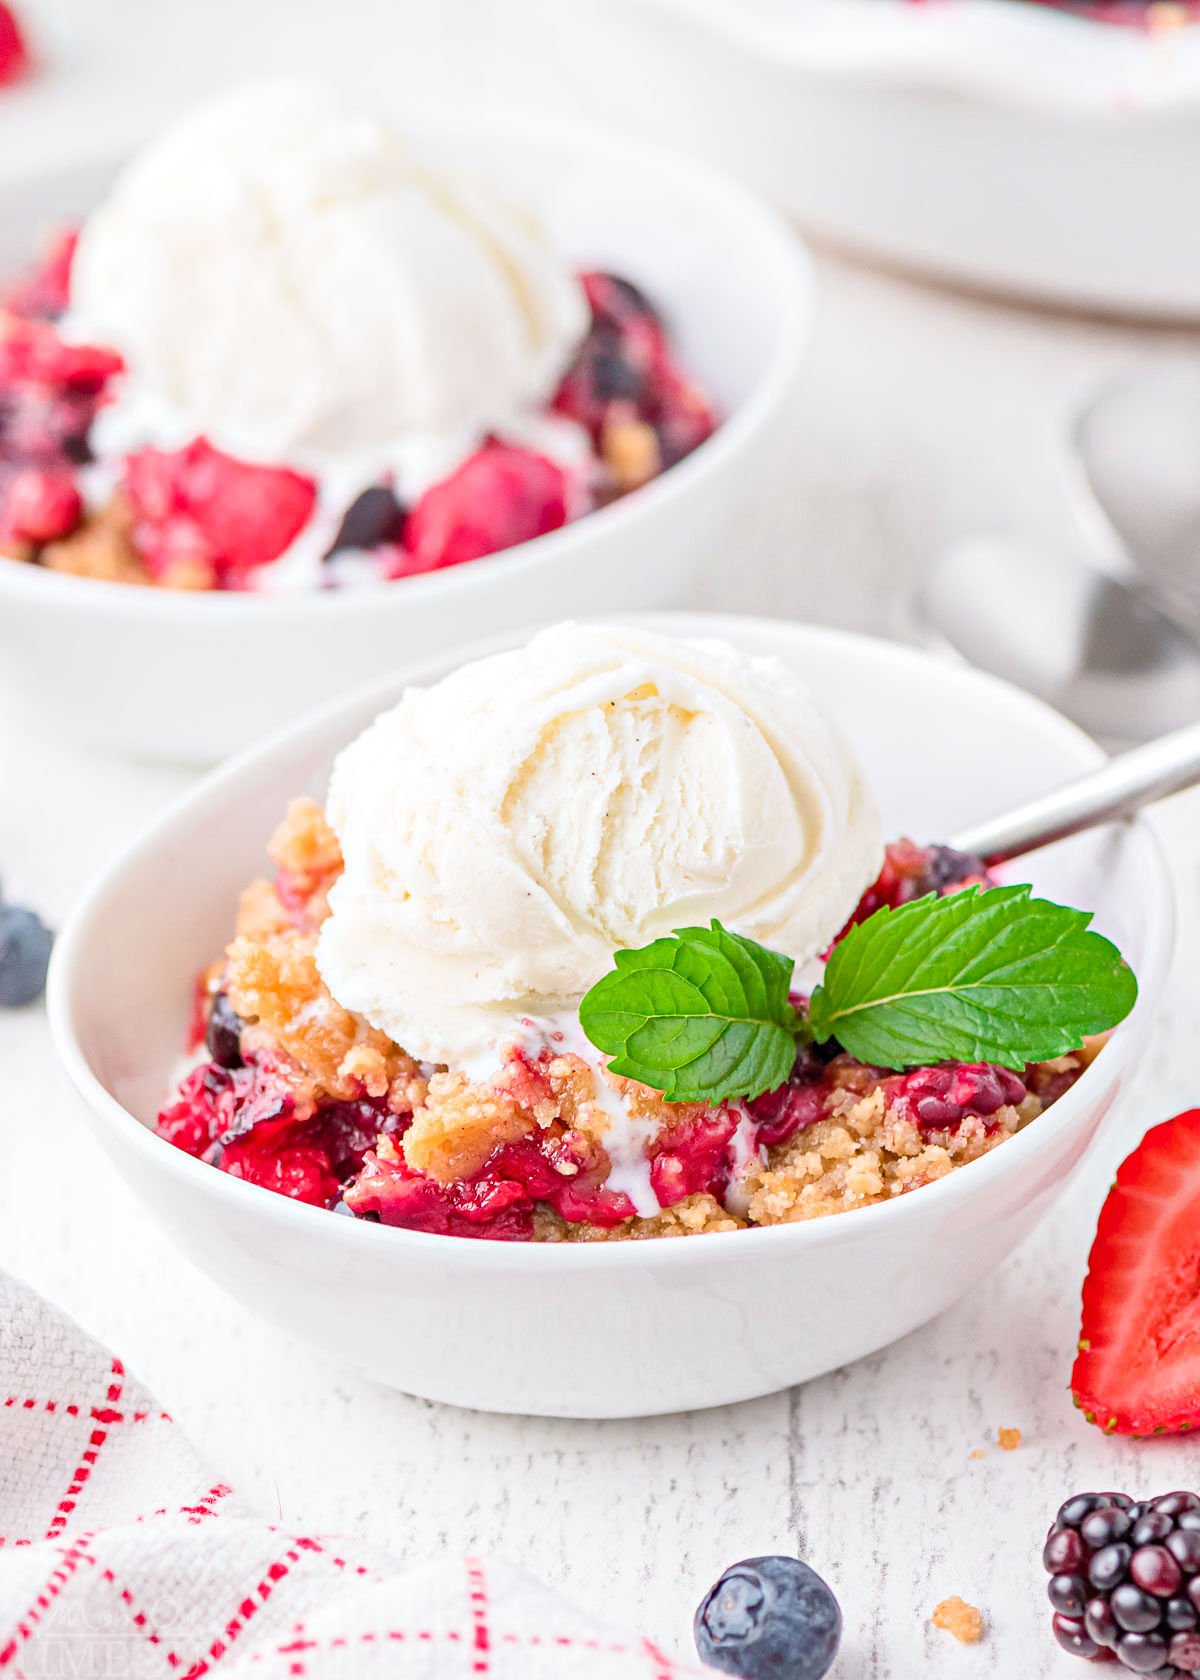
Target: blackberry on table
1125	1581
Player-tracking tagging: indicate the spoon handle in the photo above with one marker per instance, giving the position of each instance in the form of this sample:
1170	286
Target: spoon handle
1116	789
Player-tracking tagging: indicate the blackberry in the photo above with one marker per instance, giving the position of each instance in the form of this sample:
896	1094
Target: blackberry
1125	1581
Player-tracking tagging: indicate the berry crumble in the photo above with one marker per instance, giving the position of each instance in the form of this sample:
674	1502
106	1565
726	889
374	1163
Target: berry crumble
288	352
295	1093
196	517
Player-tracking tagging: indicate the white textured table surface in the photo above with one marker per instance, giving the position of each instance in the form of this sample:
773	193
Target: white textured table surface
925	417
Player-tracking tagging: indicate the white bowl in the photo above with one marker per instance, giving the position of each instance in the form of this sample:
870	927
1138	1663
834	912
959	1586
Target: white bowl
613	1329
192	677
998	144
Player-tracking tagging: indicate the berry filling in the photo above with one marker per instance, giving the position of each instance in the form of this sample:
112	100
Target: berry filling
199	511
303	1098
199	518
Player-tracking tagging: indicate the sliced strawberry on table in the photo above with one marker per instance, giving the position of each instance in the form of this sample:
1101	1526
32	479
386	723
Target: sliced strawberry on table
1138	1369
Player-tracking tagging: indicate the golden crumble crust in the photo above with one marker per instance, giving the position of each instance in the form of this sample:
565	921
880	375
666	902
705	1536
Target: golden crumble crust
694	1216
275	986
459	1125
101	547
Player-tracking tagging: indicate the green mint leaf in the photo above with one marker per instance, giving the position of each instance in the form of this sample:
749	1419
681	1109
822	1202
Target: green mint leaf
700	1016
990	975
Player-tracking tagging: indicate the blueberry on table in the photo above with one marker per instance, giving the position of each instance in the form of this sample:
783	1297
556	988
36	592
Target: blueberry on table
769	1618
24	956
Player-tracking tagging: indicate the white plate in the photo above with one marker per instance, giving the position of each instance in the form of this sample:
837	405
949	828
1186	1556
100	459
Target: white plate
606	1329
997	144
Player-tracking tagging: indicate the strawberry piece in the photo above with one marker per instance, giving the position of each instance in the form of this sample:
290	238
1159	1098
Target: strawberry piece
43	293
14	53
499	496
1138	1369
198	506
37	506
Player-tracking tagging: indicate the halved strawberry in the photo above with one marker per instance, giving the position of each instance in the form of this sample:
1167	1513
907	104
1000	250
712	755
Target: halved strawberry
1138	1369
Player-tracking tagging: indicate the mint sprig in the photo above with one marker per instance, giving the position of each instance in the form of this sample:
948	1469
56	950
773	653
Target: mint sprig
701	1012
983	975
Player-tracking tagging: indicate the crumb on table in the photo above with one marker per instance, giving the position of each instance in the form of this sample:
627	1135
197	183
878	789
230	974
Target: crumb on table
978	1452
961	1619
1009	1439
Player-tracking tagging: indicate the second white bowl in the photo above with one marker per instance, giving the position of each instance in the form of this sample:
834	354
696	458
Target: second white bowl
611	1329
192	677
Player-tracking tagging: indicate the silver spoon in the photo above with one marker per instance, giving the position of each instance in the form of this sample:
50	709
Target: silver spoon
1138	445
1099	649
1117	789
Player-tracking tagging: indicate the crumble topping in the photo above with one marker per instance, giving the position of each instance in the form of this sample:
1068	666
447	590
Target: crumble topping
961	1619
1008	1439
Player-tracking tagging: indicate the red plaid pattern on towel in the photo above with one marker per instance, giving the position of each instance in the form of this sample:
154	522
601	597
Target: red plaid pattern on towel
123	1558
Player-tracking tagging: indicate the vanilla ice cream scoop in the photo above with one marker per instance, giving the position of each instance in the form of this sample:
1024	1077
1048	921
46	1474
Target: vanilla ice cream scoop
287	277
505	831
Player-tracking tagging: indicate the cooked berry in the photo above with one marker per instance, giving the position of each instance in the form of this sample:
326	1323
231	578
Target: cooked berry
373	518
25	944
769	1618
941	1098
224	1033
1069	1593
1143	1565
211	513
1156	1571
500	496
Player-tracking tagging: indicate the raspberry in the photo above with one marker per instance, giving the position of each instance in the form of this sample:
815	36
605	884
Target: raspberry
44	292
499	496
37	506
14	54
1125	1581
198	506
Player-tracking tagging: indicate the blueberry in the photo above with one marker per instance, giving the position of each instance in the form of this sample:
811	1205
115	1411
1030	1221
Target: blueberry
24	956
769	1618
372	518
224	1035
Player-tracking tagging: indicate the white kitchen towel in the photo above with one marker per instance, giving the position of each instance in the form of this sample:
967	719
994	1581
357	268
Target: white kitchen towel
122	1557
